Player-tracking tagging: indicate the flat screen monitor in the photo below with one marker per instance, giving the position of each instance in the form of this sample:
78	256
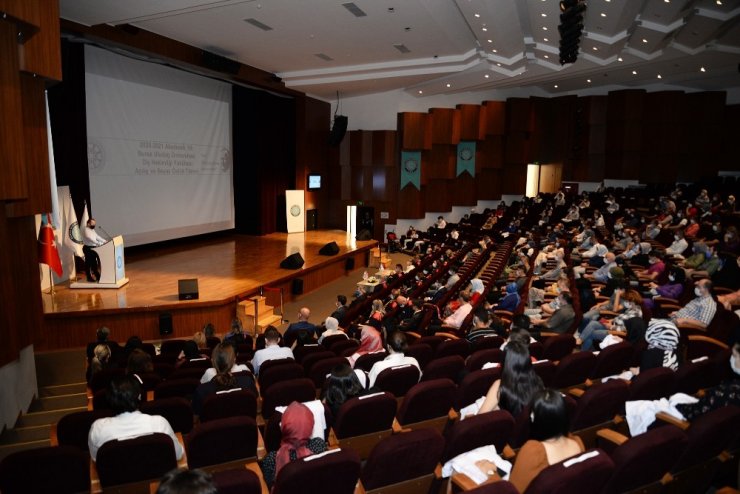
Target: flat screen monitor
314	181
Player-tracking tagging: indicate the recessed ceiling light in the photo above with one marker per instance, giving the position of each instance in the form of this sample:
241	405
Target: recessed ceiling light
494	50
547	56
644	40
603	14
702	69
545	40
484	28
486	76
719	2
619	59
421	92
498	64
449	85
659	76
477	15
544	28
555	86
634	72
595	48
667	1
543	15
490	41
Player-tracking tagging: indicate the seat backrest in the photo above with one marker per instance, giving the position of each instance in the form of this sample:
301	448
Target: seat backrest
134	460
546	370
537	350
653	384
176	410
645	458
459	347
402	457
478	359
398	380
269	364
573	369
693	376
279	373
328	341
221	440
478	430
557	347
300	352
172	346
365	414
475	385
450	367
102	378
427	400
58	469
196	363
587	472
432	341
501	487
237	481
422	352
314	357
73	428
284	393
344	348
487	342
333	472
612	360
319	370
176	387
366	362
230	403
709	435
600	403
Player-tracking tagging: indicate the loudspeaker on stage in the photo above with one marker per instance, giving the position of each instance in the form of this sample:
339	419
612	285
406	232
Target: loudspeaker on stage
293	261
330	249
187	289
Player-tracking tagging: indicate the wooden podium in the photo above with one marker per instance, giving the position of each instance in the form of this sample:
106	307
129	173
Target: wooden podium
112	266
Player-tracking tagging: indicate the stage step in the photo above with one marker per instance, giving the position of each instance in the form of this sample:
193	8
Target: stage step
25	434
265	316
12	448
62	389
46	417
62	402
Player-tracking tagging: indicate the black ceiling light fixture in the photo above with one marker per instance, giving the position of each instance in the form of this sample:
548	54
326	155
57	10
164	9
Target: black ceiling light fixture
571	29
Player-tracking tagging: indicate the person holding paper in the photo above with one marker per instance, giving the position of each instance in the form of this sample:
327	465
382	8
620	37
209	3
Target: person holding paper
92	259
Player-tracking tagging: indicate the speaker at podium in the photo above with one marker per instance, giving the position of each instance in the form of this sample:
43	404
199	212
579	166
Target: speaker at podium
112	266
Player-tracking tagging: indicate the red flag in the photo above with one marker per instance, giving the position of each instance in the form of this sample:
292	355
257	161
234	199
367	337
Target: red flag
48	253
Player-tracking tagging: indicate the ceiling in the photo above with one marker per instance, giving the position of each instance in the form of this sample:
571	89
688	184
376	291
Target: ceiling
429	47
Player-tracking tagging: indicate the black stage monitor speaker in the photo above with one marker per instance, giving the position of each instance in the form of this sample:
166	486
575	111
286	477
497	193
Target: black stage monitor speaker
330	249
187	289
293	261
349	264
165	323
337	130
297	288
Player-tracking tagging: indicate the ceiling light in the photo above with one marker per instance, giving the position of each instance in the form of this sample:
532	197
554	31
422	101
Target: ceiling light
634	72
603	14
421	92
555	86
667	1
620	59
477	15
543	15
595	48
490	41
719	2
498	64
544	28
494	50
547	56
484	28
659	76
702	69
545	40
486	76
449	85
644	40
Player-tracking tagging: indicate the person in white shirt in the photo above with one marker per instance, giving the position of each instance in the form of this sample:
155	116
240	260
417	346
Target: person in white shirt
441	223
124	395
272	350
679	245
332	329
397	347
92	260
456	319
211	372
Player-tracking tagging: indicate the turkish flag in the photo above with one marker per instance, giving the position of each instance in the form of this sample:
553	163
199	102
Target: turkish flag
48	253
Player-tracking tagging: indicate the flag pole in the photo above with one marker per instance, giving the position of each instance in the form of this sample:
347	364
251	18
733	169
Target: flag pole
51	281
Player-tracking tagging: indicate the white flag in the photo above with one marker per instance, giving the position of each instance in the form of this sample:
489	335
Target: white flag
72	234
85	217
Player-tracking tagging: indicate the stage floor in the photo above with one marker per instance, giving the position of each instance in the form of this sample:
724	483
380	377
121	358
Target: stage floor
226	268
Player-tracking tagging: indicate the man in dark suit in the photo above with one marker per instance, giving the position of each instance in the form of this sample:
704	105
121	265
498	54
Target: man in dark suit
341	309
301	325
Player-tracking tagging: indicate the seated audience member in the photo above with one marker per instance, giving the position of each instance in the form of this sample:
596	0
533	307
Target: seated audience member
412	323
342	384
236	334
441	223
656	267
210	372
729	299
561	320
699	311
370	342
341	309
101	360
209	331
296	426
183	481
476	290
301	325
679	244
397	347
139	362
332	329
726	393
511	300
662	337
550	441
628	306
132	344
102	336
190	351
123	396
518	384
272	350
602	274
456	319
728	276
673	288
377	311
224	360
709	267
481	326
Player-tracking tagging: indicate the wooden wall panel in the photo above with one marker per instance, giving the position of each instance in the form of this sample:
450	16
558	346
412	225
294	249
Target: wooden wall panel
438	163
13	181
27	11
383	147
517	148
495	121
463	190
445	125
40	54
436	195
518	115
361	148
514	179
415	130
411	203
470	122
488	184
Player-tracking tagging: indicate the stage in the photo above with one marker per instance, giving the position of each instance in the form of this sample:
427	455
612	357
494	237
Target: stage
228	269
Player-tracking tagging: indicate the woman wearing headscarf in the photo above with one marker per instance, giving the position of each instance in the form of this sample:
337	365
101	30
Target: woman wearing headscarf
296	443
370	342
476	290
662	337
511	300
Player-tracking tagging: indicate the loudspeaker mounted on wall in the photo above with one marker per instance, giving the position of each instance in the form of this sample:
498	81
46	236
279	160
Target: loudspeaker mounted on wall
187	289
338	130
330	249
293	261
297	288
165	323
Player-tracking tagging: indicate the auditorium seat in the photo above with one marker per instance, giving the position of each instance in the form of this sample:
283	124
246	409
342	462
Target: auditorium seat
612	360
279	373
313	357
138	459
427	404
403	461
366	362
225	442
176	410
476	431
693	376
202	363
73	428
344	348
172	347
398	380
187	373
487	342
447	348
422	352
329	340
183	388
284	393
449	367
475	385
573	369
599	404
363	421
300	352
479	358
58	469
332	472
319	370
102	378
237	481
558	346
230	403
653	384
546	370
432	341
268	364
587	472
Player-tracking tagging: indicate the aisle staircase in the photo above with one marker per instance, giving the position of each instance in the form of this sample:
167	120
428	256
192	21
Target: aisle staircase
62	390
255	314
